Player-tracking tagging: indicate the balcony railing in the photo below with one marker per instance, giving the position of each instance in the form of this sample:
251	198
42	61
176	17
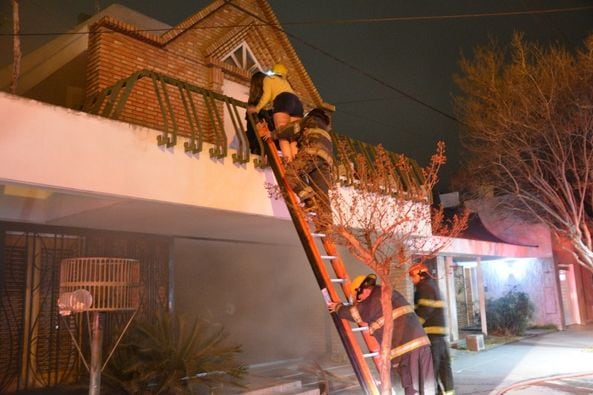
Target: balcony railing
197	114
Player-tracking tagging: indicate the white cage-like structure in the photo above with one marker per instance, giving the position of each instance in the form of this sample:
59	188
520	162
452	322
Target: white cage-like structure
114	283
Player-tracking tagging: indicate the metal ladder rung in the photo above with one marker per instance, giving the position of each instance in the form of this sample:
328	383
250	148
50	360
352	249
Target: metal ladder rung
309	233
371	354
360	329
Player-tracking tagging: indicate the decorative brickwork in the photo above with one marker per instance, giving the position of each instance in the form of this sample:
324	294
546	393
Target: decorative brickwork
193	52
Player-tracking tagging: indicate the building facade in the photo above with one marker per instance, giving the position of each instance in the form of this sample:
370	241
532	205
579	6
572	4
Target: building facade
155	168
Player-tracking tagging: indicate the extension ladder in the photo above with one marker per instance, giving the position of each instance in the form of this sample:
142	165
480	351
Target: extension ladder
318	260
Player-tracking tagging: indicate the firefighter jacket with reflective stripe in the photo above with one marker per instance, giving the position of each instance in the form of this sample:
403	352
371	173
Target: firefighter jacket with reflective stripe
430	307
408	334
311	141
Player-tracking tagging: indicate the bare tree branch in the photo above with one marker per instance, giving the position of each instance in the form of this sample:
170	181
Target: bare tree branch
529	116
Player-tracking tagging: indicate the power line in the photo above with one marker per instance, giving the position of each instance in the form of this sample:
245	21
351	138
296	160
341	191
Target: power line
346	21
369	119
376	99
351	66
441	17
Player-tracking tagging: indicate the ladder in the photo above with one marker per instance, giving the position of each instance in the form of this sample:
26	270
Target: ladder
318	261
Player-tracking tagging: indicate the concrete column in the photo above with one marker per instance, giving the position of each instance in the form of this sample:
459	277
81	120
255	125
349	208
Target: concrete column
482	296
448	293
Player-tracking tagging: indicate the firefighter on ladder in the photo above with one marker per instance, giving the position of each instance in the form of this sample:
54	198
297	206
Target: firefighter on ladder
430	309
309	173
410	353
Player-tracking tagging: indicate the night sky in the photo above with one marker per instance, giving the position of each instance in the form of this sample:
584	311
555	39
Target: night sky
391	80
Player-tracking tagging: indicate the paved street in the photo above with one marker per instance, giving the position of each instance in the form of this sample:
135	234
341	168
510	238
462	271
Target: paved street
556	355
553	363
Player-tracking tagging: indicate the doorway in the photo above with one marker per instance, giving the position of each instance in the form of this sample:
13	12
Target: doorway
568	295
467	297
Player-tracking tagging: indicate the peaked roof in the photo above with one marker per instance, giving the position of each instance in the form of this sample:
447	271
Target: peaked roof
251	22
42	62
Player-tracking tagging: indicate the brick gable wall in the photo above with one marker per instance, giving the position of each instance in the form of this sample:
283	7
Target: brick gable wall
192	52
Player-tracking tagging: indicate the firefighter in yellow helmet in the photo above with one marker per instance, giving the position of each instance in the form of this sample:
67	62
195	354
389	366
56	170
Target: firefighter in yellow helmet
410	354
286	105
280	69
430	308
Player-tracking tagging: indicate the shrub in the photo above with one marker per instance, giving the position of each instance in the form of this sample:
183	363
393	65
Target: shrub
509	315
167	355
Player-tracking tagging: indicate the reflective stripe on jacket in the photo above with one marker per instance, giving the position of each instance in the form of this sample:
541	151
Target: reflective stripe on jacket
430	307
407	331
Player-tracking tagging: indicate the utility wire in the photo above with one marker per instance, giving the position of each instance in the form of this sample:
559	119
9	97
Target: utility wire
348	20
351	66
376	99
440	17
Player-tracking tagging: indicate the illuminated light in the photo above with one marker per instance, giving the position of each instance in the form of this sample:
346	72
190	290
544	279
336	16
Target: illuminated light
74	302
562	276
26	192
515	268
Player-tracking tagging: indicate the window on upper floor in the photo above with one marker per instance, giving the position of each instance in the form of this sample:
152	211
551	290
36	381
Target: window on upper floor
243	58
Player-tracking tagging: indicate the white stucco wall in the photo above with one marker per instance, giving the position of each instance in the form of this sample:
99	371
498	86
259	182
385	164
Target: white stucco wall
536	277
61	149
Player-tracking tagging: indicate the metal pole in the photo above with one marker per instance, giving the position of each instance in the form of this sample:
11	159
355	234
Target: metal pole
96	353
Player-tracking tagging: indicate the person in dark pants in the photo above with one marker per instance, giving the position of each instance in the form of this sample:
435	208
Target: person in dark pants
309	173
410	353
430	308
256	89
286	105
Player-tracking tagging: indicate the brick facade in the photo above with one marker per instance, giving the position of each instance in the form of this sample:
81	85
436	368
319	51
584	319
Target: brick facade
192	52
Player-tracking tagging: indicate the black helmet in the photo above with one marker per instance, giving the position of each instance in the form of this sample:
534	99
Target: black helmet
316	118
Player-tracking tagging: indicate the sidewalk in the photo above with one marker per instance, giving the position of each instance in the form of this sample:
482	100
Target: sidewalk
546	362
542	356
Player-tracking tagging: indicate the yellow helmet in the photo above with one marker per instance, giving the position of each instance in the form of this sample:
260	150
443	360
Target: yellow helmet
419	269
280	69
361	282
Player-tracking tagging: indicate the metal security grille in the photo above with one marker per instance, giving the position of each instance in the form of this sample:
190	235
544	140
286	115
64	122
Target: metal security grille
35	347
37	351
197	114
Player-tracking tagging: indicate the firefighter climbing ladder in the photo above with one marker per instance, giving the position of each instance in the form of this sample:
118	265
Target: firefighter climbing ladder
318	265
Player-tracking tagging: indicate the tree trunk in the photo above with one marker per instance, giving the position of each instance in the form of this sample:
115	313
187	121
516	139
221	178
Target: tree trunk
16	46
387	307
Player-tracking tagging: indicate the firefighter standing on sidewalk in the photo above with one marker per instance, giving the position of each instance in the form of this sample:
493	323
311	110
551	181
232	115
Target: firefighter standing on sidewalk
410	355
430	308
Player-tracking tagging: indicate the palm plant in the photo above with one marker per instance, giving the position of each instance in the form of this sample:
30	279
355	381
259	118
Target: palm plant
166	354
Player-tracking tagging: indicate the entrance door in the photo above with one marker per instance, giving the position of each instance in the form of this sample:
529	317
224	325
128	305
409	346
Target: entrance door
35	350
566	278
467	297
